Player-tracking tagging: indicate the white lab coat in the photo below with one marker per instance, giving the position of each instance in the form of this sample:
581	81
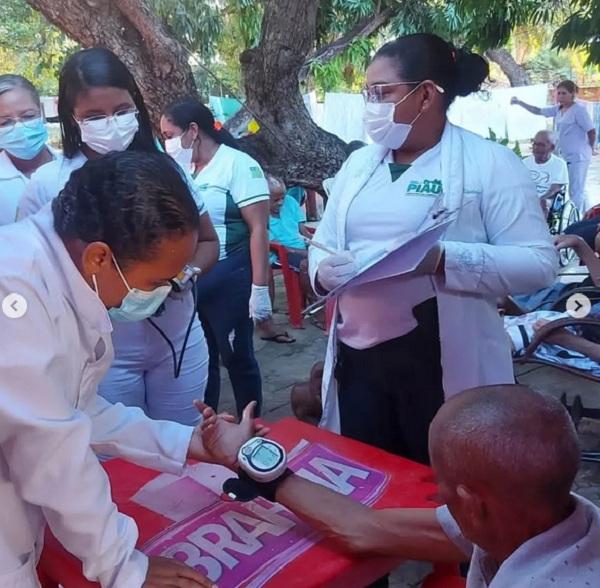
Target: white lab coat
52	421
12	187
47	182
499	245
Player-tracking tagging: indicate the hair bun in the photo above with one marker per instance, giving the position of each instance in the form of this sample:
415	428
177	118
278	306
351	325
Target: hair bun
471	71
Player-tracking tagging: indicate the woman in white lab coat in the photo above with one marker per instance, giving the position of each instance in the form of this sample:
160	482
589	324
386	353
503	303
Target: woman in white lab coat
161	364
23	138
120	231
576	136
398	346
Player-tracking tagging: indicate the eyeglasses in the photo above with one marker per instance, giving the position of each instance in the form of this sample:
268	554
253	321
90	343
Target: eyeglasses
378	92
101	121
30	121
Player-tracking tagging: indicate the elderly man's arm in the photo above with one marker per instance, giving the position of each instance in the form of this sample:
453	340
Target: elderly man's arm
553	190
409	533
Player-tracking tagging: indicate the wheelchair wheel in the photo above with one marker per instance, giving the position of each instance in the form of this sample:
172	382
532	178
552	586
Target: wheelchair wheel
568	216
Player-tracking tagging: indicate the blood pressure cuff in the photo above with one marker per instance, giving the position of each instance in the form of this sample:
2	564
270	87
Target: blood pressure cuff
244	488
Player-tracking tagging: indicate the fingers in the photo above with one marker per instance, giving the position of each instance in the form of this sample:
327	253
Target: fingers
248	413
170	573
193	578
204	409
227	417
261	430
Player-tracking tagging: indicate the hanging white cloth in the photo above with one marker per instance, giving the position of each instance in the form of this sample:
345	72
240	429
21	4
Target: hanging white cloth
491	109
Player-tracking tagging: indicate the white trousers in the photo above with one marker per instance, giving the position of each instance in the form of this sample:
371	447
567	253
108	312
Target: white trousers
577	175
142	373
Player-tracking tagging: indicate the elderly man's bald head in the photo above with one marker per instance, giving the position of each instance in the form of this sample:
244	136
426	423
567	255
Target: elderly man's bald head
506	440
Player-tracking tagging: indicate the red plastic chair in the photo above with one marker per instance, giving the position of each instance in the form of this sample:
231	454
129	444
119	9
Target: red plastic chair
293	291
593	212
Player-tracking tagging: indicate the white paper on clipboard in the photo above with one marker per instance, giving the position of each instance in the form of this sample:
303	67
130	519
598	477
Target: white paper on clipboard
399	257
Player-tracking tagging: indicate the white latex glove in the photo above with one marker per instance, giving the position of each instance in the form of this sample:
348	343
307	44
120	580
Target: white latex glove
260	303
336	270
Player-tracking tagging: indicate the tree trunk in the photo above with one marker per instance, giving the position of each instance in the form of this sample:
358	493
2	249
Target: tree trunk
157	61
516	74
289	143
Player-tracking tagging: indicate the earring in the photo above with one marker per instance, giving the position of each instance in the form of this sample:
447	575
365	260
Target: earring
95	282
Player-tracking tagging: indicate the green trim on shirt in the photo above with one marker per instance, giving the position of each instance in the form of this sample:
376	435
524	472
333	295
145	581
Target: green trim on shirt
397	169
259	197
237	233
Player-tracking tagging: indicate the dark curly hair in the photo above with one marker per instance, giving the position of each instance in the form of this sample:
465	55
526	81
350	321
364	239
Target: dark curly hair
131	201
424	56
94	68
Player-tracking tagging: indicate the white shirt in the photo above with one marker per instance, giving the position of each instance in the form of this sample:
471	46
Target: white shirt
229	182
12	187
553	171
51	419
572	125
47	182
382	212
50	179
567	555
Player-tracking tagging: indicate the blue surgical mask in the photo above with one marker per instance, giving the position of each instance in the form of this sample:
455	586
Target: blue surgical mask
25	141
138	304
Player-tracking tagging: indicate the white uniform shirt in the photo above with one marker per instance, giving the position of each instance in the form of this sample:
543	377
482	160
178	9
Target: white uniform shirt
230	181
567	555
382	212
51	418
12	187
47	182
572	125
553	171
50	179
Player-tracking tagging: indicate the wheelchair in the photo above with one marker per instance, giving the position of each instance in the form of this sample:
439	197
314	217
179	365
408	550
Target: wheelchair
561	214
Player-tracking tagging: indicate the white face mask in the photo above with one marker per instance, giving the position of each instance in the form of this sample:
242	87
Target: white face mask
106	135
380	124
182	155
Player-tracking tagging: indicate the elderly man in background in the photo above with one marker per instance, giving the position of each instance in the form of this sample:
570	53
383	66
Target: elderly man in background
548	171
505	458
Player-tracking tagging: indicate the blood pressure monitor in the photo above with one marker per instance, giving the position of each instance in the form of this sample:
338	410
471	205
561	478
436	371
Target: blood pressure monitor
262	459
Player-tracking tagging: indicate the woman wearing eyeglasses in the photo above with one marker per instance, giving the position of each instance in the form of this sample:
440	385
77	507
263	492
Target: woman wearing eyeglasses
400	345
23	138
161	364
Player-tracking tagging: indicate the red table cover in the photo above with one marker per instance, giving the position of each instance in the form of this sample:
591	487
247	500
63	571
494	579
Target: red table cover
256	544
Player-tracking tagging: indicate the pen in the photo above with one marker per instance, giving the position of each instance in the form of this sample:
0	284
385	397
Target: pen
313	243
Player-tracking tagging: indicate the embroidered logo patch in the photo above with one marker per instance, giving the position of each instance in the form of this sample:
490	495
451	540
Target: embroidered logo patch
433	187
256	172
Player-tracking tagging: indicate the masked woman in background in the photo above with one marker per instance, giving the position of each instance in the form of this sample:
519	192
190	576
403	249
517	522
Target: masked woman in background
161	364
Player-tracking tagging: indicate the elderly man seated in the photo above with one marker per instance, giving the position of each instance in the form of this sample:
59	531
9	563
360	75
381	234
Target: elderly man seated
505	458
287	228
548	171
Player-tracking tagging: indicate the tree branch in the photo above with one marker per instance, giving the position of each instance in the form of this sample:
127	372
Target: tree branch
363	29
517	75
158	62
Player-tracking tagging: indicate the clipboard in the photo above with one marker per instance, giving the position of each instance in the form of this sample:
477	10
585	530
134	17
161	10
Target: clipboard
399	257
